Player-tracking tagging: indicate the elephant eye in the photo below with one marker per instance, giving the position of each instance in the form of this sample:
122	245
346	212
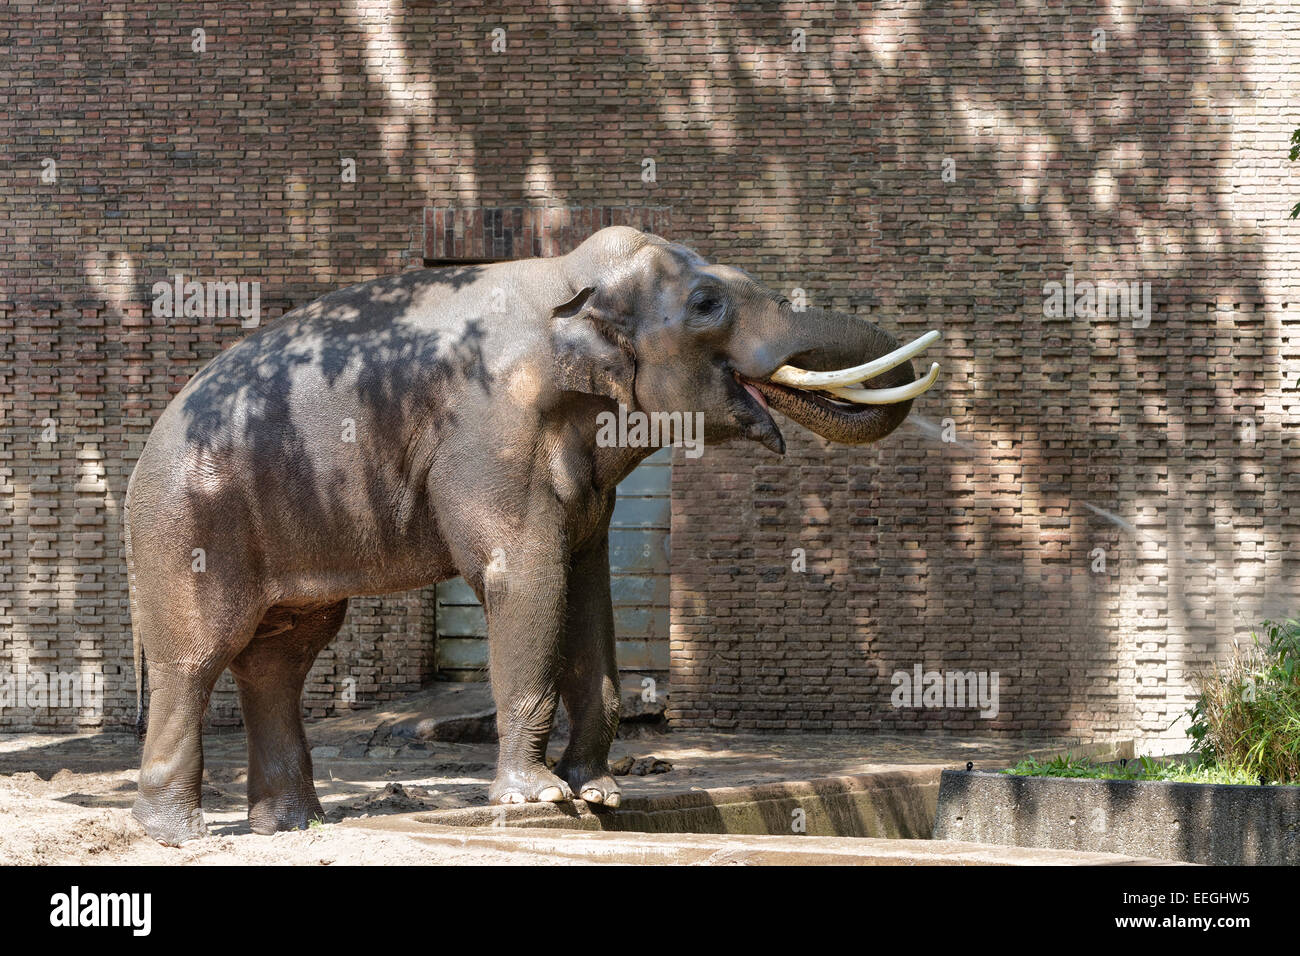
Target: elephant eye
706	303
707	311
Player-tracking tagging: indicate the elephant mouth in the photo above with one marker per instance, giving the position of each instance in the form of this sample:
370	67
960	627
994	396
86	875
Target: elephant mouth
852	406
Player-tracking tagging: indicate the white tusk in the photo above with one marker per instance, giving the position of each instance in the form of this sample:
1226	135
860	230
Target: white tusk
887	396
802	378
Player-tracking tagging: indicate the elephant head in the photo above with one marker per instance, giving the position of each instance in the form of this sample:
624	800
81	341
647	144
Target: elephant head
655	326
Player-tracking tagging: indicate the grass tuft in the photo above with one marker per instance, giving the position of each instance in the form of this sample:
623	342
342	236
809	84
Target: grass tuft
1247	717
1143	768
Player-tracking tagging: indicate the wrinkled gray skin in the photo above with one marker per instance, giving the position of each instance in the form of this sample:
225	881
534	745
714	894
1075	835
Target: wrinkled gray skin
473	393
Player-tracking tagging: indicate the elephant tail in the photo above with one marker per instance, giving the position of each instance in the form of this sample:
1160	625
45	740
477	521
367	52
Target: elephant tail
136	645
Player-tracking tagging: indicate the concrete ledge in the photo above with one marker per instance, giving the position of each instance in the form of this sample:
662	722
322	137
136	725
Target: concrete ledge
1195	823
753	850
895	804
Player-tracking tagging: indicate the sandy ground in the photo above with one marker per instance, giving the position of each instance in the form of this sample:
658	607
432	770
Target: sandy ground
37	828
65	799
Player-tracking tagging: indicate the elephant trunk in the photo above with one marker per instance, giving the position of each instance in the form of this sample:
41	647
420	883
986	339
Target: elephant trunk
854	386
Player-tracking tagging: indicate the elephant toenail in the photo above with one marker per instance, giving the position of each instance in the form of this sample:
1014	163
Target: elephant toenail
551	795
593	796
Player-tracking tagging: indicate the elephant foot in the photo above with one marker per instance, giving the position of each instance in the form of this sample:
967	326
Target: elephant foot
593	784
169	823
533	784
284	811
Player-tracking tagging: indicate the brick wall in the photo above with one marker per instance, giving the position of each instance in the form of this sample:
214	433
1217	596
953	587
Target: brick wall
1160	160
804	142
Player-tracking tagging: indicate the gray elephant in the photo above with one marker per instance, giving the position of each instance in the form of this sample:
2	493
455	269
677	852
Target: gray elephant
438	423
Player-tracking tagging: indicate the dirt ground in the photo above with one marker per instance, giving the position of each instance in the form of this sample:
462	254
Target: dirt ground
65	799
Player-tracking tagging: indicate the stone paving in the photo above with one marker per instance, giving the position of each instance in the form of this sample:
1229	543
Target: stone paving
379	764
353	776
375	762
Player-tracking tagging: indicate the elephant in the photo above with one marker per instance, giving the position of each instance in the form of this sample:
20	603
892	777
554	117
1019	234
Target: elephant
444	422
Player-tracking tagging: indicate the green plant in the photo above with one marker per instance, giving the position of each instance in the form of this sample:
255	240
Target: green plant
1143	768
1295	154
1246	717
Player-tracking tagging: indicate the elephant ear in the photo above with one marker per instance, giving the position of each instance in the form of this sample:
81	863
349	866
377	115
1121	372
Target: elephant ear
593	347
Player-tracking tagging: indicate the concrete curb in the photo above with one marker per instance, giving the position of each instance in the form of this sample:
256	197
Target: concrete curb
1195	823
896	804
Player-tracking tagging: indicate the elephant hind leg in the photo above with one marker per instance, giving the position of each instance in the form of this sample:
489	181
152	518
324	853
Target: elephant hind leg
168	804
270	673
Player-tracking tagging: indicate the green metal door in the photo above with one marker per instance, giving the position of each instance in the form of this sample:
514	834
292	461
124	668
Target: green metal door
638	558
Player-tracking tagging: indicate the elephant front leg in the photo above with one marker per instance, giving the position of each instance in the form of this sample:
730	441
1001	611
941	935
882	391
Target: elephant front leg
589	679
524	600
